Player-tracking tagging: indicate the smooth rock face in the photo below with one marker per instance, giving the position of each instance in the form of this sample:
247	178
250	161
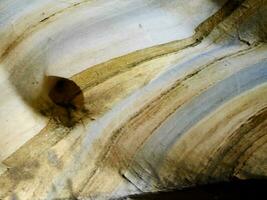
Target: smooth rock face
106	99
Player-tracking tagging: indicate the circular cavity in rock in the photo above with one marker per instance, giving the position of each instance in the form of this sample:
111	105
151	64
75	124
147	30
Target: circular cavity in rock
66	93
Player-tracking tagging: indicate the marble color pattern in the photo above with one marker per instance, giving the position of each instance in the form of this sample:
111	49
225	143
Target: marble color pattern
175	94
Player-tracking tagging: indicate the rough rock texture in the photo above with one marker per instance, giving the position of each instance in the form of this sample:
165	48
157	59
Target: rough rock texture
105	99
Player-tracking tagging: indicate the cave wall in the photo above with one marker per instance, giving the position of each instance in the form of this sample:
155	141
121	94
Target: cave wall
174	94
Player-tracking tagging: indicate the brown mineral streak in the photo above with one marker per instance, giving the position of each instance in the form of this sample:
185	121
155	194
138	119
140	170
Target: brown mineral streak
23	164
101	72
114	154
254	127
225	151
162	101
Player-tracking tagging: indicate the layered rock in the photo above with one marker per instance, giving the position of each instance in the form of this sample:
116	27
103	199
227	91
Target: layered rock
105	99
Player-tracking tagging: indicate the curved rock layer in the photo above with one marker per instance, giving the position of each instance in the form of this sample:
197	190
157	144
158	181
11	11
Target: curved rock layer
106	99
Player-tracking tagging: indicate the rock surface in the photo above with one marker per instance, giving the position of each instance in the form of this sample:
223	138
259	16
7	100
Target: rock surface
106	99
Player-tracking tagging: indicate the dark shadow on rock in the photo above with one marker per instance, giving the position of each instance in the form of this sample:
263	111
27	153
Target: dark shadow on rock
234	190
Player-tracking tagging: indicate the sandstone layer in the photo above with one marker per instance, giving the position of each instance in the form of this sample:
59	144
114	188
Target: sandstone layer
106	99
